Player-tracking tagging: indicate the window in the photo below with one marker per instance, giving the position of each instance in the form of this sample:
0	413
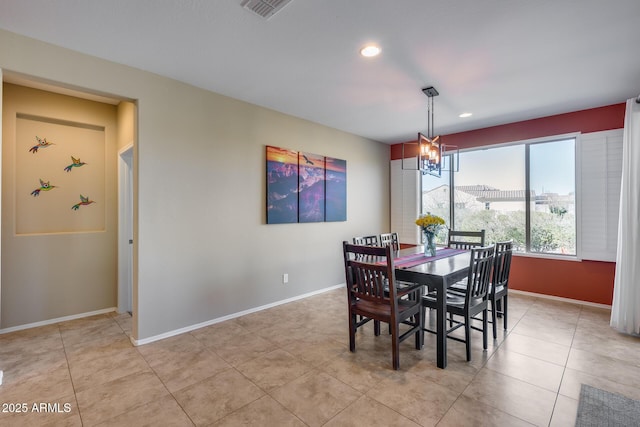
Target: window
556	220
524	191
553	188
436	199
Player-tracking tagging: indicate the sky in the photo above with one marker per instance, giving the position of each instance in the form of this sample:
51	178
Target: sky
552	167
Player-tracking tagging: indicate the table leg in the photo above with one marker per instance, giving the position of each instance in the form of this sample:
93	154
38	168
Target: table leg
441	325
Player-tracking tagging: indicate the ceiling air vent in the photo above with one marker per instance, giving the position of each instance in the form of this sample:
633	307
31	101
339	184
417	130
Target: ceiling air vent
264	8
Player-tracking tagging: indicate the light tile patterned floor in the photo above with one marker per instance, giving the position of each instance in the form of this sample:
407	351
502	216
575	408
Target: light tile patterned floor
290	366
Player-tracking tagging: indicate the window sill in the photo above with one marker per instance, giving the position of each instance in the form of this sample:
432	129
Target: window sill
548	256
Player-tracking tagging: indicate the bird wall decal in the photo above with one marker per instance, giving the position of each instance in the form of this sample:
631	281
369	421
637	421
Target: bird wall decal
83	202
44	186
42	143
76	164
306	159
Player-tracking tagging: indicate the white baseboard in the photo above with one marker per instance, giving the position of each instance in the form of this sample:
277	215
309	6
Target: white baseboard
555	298
245	312
56	320
230	316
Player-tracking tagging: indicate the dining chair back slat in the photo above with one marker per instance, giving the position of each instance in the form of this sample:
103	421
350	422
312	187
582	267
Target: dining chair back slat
390	239
366	240
370	282
479	277
465	239
502	265
500	283
474	301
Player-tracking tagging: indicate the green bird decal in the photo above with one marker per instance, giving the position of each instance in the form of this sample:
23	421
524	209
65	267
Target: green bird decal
44	186
76	164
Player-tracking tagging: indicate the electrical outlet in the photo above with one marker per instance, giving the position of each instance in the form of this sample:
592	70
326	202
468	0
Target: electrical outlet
285	278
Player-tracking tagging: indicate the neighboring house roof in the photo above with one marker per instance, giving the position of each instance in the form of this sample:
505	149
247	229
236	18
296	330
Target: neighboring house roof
503	195
472	188
485	193
488	194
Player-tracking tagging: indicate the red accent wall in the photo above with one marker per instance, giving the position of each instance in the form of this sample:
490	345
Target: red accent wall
586	280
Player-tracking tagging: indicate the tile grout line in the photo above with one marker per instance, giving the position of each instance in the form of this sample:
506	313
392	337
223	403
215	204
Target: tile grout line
73	386
165	387
484	366
266	393
564	370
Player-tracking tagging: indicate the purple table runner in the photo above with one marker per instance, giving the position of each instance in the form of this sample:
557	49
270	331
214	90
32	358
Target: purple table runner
412	260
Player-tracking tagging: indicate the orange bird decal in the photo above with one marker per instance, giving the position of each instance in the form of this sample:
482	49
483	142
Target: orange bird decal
83	202
42	143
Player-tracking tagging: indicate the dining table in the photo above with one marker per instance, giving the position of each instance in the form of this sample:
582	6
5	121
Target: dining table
437	273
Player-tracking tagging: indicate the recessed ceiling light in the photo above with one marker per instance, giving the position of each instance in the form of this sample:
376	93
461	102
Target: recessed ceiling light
463	115
370	50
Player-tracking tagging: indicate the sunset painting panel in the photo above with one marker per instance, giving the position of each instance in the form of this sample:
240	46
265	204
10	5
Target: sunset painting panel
282	185
336	189
311	188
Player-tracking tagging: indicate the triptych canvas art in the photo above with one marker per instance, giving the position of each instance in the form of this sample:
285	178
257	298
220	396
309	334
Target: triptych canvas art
305	187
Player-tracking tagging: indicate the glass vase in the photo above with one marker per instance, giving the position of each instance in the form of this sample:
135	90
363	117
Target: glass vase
429	244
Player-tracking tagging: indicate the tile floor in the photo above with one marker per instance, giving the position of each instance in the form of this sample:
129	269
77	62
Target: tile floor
290	366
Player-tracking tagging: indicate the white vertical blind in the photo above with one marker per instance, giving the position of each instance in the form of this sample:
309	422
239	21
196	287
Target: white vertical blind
405	202
600	159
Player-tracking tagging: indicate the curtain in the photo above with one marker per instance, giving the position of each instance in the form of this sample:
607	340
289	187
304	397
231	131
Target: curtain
625	311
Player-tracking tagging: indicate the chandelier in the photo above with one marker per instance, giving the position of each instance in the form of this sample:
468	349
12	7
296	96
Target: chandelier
430	151
429	147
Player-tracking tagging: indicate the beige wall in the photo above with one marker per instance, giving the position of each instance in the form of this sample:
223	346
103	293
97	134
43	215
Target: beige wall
56	262
126	124
203	248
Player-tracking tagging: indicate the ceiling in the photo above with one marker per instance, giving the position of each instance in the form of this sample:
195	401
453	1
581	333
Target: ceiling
502	60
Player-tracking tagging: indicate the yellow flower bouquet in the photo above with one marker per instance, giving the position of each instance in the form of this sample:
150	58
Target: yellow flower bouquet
429	224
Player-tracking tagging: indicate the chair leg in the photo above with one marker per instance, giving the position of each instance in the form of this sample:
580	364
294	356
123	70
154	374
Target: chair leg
376	327
493	318
352	333
504	311
467	335
395	349
484	328
420	331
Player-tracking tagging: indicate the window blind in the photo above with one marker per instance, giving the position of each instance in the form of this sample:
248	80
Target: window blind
405	202
600	159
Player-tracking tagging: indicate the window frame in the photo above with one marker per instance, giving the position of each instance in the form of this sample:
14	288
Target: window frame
527	143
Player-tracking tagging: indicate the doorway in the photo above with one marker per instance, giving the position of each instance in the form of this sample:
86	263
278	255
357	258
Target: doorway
125	229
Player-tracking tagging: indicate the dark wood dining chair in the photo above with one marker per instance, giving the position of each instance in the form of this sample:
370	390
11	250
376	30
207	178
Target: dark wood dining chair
390	239
498	292
465	239
473	302
373	295
366	241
